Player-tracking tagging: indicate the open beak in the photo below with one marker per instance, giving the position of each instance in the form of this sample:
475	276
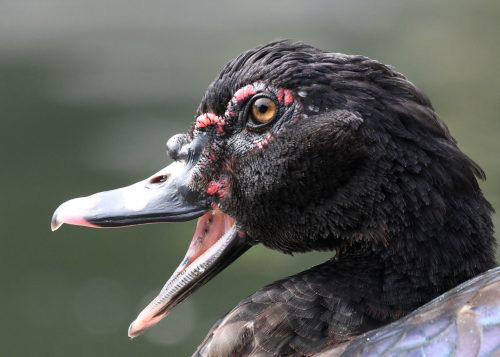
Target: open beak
164	197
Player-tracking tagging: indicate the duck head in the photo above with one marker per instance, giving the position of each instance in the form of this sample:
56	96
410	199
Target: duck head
298	149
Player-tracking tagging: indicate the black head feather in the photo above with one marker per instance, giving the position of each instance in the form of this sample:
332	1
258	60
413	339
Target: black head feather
362	164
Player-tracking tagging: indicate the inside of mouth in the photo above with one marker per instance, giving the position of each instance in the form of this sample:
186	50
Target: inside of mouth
211	236
209	229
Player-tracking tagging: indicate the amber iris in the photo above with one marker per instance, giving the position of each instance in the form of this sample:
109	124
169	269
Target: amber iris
264	110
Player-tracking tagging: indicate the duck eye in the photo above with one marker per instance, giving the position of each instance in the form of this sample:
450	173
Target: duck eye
264	110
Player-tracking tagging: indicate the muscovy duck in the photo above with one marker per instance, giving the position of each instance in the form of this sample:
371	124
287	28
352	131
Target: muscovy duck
300	149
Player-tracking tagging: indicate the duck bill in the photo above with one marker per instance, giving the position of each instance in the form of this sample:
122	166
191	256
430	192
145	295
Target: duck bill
164	197
216	243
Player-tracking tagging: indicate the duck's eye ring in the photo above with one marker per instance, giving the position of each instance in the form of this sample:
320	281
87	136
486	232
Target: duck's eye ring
263	110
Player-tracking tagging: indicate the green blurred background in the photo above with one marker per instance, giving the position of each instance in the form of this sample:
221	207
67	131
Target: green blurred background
90	90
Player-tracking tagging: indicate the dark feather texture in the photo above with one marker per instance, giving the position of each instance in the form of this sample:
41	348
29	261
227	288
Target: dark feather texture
360	164
297	317
464	321
299	150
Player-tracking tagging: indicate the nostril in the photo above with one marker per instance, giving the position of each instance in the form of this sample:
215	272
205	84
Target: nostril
158	179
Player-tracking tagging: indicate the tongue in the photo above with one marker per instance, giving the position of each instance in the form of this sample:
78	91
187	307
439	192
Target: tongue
212	241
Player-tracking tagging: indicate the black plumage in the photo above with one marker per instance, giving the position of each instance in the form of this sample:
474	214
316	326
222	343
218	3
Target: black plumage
354	160
365	167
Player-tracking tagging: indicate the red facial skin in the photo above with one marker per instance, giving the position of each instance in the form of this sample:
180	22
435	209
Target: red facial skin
244	93
285	96
240	96
213	187
208	119
218	188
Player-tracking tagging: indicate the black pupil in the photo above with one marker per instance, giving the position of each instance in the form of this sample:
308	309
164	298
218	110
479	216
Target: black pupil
262	106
